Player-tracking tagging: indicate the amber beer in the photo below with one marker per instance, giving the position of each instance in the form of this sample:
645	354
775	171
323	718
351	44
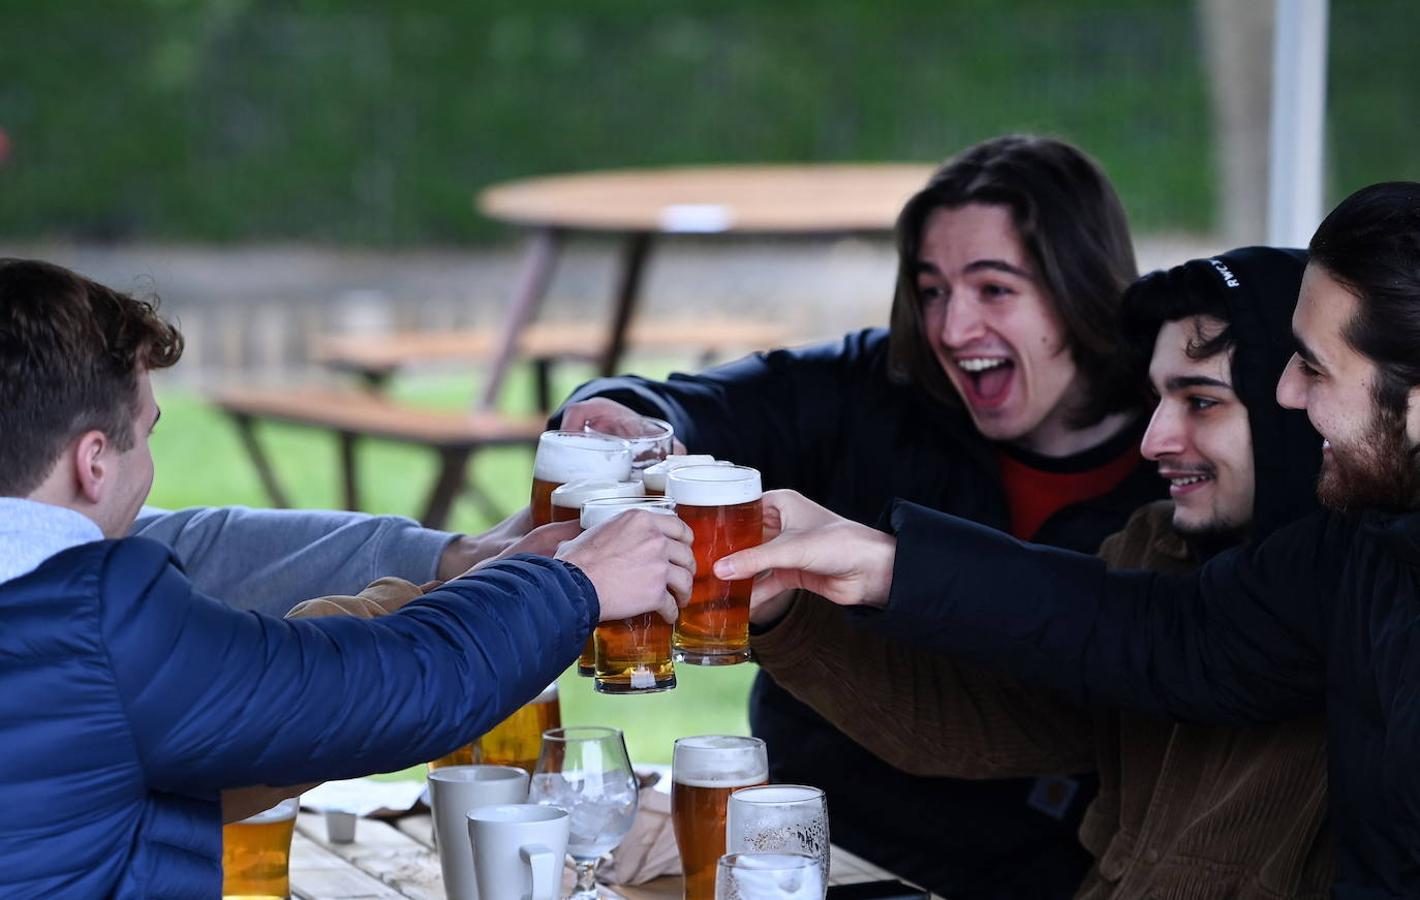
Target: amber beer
564	456
704	772
463	756
654	476
256	854
517	740
631	656
721	504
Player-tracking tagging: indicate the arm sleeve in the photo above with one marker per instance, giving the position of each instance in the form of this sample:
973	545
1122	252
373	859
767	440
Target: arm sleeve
219	698
1240	641
919	711
777	411
268	560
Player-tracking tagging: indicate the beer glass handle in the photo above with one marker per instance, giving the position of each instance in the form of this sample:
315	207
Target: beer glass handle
539	859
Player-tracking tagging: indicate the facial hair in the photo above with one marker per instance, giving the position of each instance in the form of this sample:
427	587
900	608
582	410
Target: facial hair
1377	471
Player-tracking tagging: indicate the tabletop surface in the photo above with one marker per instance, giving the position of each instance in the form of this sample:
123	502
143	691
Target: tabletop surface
800	199
396	860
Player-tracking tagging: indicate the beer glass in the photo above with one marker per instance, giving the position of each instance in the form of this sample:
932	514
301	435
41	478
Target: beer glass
705	770
650	439
654	476
517	740
631	656
721	504
769	876
779	817
256	854
564	456
586	772
567	503
463	756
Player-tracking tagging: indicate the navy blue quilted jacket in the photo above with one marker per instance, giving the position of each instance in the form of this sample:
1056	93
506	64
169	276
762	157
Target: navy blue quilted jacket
128	701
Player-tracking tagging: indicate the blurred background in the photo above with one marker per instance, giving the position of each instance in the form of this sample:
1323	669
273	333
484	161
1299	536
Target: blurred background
275	171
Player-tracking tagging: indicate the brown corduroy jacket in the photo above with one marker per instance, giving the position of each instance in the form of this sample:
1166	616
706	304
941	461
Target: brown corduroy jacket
1185	811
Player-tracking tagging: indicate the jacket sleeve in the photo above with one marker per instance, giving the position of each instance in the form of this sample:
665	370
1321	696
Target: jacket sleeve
268	560
1240	641
776	411
219	698
919	711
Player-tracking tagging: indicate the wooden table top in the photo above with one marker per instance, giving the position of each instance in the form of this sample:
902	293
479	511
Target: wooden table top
398	862
781	200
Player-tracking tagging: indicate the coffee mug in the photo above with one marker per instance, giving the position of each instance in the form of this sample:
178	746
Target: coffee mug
518	850
453	791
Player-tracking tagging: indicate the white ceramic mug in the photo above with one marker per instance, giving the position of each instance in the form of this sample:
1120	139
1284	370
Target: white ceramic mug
453	791
518	850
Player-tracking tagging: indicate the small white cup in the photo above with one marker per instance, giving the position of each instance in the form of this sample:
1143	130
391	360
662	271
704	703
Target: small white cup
453	791
518	850
339	826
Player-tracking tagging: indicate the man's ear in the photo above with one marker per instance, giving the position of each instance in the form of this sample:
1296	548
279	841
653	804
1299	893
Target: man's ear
93	465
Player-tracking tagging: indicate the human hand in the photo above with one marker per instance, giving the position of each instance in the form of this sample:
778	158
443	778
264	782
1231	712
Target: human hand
639	562
466	551
812	549
609	417
542	541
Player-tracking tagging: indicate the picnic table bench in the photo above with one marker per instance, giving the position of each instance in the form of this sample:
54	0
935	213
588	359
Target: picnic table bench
395	861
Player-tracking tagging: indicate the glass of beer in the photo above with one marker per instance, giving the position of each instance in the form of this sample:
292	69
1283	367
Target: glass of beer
721	504
790	818
463	756
631	656
517	740
567	503
564	456
705	770
256	854
650	439
654	476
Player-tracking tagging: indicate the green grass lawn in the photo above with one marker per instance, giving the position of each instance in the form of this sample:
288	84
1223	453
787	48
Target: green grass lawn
200	462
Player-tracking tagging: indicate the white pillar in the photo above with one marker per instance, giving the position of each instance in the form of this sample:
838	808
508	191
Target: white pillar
1295	173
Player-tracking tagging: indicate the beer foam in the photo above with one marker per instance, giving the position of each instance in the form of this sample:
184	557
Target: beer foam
604	509
564	456
718	761
282	811
713	485
574	493
655	475
731	780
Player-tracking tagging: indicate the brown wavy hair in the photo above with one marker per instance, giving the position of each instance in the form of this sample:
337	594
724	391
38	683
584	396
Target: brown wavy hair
1074	229
70	353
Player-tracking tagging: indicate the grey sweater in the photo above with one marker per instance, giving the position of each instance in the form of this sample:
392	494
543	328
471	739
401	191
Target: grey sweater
269	560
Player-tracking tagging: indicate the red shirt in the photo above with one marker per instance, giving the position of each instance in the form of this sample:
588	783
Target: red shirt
1038	489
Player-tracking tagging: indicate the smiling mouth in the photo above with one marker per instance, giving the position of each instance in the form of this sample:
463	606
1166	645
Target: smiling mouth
987	379
1186	482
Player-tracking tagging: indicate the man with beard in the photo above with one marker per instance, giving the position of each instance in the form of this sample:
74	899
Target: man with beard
1182	808
1322	616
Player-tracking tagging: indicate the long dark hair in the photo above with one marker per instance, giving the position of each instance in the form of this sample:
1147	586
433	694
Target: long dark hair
1074	228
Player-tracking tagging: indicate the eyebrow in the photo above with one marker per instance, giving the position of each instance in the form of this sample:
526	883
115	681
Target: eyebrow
1183	382
1306	352
978	265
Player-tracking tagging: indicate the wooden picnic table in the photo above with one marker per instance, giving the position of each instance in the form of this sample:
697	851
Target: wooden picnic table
397	861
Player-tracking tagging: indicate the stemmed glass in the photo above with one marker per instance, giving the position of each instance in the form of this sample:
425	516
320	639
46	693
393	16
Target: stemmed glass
586	772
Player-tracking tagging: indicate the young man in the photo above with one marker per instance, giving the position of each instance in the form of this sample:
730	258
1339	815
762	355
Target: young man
1321	617
128	700
1183	810
999	394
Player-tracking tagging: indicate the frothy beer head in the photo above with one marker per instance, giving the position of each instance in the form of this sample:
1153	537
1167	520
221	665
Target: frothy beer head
564	456
719	761
573	494
713	485
655	476
597	511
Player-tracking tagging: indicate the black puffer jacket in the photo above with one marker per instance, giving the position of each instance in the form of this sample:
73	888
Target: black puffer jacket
829	422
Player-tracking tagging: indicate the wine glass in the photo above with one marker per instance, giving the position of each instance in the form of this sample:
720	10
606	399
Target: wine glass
586	772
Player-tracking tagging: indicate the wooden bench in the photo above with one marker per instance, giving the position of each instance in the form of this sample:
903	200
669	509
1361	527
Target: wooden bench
350	414
374	358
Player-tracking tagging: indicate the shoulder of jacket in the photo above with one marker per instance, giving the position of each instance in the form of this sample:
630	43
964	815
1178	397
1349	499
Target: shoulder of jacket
1146	539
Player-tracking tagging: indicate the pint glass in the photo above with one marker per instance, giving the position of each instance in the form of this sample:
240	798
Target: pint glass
654	476
564	456
256	854
650	439
517	740
704	772
721	504
631	656
567	503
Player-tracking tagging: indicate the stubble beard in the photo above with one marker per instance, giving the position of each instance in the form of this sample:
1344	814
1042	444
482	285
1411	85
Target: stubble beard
1378	472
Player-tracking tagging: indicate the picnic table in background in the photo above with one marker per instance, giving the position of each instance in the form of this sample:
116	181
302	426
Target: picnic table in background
397	861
